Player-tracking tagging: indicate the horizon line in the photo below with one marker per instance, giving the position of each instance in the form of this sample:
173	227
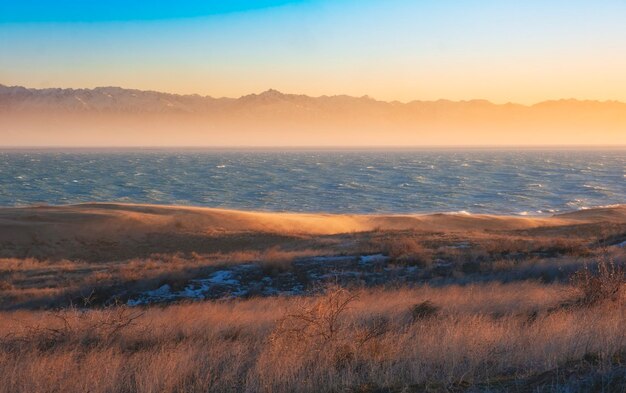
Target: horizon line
324	147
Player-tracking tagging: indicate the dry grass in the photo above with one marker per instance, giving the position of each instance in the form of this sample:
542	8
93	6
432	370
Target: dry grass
504	319
31	282
41	283
337	341
605	281
406	250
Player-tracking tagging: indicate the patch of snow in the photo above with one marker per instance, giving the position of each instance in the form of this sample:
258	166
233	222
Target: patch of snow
85	105
162	293
459	245
223	277
336	258
197	289
191	292
374	258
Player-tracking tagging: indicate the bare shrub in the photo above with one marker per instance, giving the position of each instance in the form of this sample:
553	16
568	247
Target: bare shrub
78	326
316	331
372	328
604	283
319	323
324	330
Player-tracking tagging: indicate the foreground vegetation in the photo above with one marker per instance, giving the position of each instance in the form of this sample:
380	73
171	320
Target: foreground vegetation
493	337
433	258
541	309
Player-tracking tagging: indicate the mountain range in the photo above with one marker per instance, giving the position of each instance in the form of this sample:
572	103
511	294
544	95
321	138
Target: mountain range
115	116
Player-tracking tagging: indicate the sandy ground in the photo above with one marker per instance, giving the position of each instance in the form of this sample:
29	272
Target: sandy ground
67	231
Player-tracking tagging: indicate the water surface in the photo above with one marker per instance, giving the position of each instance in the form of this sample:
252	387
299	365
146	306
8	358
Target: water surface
355	181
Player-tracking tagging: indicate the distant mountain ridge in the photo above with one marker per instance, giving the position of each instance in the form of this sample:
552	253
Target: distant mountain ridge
117	99
126	116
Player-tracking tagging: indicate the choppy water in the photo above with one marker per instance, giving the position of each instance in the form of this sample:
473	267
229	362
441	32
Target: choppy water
504	182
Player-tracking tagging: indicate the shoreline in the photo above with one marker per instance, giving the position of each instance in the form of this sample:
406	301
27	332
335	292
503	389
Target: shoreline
462	212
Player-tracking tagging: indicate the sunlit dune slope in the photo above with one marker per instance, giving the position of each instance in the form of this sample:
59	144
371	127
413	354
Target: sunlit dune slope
109	221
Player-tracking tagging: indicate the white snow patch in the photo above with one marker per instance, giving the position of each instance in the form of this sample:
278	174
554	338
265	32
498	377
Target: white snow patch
459	245
160	294
373	258
81	101
195	290
223	277
336	258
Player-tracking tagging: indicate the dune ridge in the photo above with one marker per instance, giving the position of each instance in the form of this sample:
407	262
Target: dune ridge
123	220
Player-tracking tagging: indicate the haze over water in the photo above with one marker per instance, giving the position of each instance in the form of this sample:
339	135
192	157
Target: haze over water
475	181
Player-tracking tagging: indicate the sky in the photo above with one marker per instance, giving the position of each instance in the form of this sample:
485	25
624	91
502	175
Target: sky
500	50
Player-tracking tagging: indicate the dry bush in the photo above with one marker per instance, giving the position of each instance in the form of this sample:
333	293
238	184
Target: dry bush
275	260
407	250
424	310
604	283
319	323
74	326
323	330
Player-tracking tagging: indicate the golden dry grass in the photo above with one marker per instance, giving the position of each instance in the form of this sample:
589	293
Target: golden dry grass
480	333
516	323
66	272
46	283
98	232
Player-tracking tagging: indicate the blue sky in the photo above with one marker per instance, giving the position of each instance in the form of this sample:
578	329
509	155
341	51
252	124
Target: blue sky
61	11
394	49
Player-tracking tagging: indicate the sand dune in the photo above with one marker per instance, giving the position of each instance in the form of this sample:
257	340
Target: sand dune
110	232
111	221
